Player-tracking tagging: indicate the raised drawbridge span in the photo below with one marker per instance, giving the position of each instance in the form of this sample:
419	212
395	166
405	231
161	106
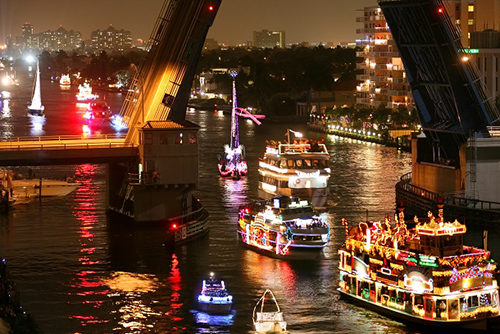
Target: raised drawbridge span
451	101
161	87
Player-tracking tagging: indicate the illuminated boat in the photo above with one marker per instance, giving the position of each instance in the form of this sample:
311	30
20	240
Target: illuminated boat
424	275
267	315
85	93
232	162
65	80
283	227
9	80
214	298
36	107
295	169
97	110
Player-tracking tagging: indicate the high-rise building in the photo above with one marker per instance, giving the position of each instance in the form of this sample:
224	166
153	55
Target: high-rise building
27	30
474	15
111	39
59	39
383	82
269	39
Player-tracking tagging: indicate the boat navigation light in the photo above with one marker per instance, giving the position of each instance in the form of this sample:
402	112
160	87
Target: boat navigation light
174	226
212	274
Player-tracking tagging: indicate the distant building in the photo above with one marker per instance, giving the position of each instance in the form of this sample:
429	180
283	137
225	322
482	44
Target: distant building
210	44
111	39
269	39
59	39
27	30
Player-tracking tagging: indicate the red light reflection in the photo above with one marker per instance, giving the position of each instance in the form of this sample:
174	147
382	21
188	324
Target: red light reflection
175	280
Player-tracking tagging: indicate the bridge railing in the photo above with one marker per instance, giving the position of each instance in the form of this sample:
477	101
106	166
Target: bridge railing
62	138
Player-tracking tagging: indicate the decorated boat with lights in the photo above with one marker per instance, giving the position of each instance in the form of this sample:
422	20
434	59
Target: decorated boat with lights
85	93
65	80
424	275
297	169
36	107
214	298
98	110
283	227
232	162
267	315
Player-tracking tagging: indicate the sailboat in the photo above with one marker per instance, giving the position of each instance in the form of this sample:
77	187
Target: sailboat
232	162
36	108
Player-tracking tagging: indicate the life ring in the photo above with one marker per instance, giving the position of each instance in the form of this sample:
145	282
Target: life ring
297	181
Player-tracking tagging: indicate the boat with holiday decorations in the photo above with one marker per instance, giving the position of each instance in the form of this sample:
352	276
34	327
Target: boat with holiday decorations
232	162
424	275
283	227
36	107
214	298
98	110
299	168
65	80
85	93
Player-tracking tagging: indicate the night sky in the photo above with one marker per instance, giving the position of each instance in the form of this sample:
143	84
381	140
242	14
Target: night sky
303	20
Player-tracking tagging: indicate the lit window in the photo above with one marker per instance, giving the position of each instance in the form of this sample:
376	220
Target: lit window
471	8
468	35
471	22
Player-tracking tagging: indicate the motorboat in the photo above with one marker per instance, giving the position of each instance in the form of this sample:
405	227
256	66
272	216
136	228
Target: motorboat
283	227
97	110
36	108
419	271
214	298
267	315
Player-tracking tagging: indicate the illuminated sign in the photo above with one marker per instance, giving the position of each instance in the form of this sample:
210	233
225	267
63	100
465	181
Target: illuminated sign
302	174
469	50
427	261
416	281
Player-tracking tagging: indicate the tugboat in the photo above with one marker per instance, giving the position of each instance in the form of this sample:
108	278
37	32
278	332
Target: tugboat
424	275
283	227
214	298
267	317
297	169
232	162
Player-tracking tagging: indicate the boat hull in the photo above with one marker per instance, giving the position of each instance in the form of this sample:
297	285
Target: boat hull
317	196
213	308
477	324
50	188
294	253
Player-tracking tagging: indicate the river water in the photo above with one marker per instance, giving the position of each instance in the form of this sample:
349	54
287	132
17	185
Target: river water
79	272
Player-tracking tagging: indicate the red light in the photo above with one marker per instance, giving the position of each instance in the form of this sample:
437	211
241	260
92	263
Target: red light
174	226
440	10
211	8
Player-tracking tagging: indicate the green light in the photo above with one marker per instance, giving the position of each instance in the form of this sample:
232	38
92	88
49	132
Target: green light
469	50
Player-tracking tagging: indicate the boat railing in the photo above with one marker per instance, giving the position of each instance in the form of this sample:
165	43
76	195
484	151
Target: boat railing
63	137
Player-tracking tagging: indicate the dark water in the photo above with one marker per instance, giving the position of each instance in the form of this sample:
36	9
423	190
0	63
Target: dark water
79	272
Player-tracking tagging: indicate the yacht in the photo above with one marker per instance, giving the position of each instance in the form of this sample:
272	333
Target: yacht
97	110
214	298
283	227
267	315
299	169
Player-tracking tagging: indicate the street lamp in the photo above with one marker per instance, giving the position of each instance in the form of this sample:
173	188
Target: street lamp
297	134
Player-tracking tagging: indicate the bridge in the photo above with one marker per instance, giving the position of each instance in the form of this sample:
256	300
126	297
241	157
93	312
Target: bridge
64	150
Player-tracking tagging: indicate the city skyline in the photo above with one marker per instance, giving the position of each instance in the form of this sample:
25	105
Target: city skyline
319	20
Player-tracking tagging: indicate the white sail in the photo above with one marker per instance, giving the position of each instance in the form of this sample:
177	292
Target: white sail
36	100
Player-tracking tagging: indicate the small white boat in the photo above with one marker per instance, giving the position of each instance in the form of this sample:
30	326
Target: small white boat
267	317
36	108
